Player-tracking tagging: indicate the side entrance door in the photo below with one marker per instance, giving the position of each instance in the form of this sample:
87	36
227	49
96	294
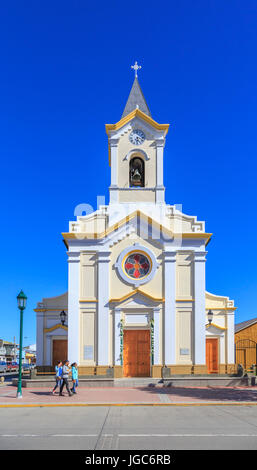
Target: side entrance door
136	353
212	355
60	350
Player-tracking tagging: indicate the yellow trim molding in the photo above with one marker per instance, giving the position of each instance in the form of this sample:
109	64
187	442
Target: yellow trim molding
137	291
222	308
48	309
55	327
132	115
216	326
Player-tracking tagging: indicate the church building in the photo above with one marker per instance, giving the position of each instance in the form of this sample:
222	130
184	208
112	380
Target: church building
136	304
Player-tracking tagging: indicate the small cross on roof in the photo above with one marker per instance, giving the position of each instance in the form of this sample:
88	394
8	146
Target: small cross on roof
136	67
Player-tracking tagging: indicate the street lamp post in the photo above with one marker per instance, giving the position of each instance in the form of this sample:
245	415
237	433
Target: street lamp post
22	300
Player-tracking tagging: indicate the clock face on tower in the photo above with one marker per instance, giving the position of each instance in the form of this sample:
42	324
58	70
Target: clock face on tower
137	137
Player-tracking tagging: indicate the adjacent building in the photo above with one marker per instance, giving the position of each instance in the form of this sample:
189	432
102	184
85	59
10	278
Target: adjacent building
246	343
8	351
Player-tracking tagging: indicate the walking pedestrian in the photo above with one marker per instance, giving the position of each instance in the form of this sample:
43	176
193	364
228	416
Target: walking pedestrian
65	375
74	375
58	376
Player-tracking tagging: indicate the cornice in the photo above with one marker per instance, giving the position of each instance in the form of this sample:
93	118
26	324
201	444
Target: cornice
137	213
133	114
48	309
136	291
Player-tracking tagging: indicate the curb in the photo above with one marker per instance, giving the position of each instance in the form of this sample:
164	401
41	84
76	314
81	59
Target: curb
52	405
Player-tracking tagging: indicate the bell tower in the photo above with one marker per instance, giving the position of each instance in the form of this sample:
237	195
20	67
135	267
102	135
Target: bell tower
136	145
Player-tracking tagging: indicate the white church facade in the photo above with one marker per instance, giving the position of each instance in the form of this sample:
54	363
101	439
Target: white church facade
136	304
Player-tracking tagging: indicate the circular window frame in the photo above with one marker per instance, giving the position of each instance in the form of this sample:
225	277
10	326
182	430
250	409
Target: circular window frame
135	252
136	248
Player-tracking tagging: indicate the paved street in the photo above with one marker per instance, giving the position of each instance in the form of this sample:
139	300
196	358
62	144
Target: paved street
129	428
113	418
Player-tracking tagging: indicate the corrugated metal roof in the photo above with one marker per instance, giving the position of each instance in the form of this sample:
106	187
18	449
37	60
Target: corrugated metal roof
244	324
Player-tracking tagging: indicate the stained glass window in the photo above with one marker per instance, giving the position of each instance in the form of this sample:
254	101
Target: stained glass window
137	265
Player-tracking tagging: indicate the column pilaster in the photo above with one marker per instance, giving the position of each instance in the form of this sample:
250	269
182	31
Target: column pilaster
156	335
170	306
103	308
159	171
230	338
199	308
114	170
73	306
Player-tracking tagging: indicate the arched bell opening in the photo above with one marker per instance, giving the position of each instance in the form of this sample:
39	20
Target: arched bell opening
136	172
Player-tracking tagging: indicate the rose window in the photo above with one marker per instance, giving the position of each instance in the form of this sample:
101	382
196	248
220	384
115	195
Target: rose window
137	265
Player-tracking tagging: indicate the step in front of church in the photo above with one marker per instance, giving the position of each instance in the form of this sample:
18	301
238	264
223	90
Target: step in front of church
147	382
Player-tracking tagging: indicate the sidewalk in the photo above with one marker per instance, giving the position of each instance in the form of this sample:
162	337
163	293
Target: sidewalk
114	396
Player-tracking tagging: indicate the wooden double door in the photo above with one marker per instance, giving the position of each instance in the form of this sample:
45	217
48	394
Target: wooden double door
246	353
212	355
60	350
136	353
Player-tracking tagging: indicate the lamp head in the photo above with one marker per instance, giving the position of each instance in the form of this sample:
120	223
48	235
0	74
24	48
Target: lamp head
22	300
63	316
210	316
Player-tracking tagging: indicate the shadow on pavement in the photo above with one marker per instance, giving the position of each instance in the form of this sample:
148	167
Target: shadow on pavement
208	393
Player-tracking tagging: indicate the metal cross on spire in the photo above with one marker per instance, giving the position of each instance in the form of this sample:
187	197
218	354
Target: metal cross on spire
136	68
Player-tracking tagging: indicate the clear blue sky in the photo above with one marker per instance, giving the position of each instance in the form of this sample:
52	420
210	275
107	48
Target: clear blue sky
65	72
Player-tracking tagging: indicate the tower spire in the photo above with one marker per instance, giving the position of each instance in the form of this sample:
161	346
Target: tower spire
136	99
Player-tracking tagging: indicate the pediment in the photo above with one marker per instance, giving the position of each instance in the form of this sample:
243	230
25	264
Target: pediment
141	225
136	299
215	330
150	132
56	329
136	114
157	224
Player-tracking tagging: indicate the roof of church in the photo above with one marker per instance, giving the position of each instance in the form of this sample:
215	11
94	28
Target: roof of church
136	100
126	220
244	324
